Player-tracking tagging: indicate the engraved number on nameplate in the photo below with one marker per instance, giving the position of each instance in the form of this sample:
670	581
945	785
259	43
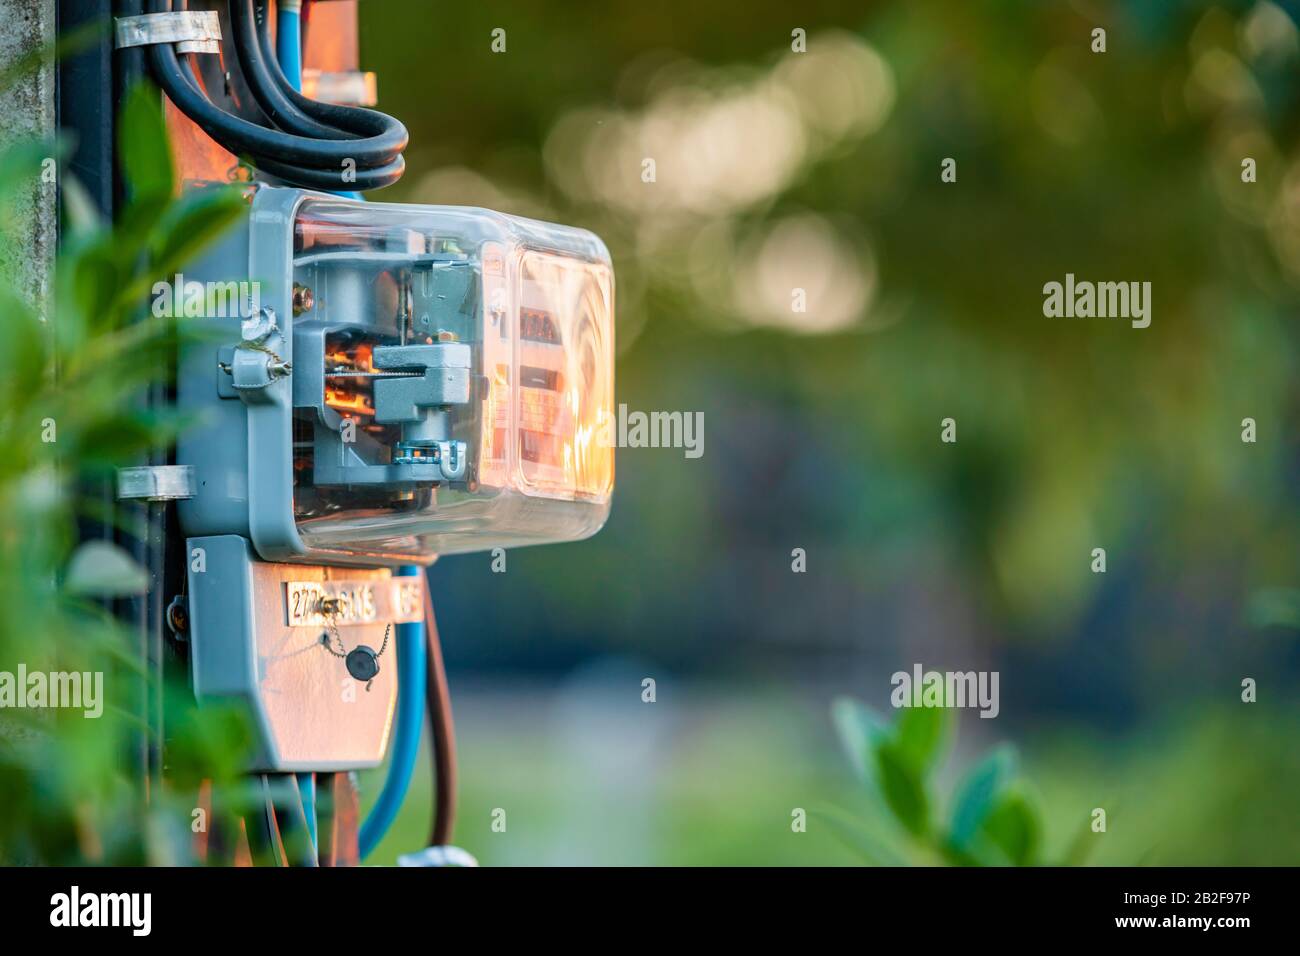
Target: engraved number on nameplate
353	602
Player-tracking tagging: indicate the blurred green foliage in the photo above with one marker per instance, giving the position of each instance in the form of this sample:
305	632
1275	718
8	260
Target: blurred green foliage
72	410
822	431
1072	433
718	785
992	818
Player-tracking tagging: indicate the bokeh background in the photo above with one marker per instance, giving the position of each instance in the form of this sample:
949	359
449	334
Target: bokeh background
821	170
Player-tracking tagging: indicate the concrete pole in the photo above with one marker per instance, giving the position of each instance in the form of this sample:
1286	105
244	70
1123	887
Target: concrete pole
28	114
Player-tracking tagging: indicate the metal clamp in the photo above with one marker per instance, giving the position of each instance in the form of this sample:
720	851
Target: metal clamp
193	31
156	483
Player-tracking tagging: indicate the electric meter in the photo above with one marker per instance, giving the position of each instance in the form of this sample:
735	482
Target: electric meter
393	383
405	381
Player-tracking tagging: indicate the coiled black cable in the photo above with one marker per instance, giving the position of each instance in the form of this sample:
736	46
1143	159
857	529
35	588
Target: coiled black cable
356	120
249	53
316	145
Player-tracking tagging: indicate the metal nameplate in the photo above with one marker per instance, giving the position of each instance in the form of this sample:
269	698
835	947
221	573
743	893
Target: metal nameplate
362	601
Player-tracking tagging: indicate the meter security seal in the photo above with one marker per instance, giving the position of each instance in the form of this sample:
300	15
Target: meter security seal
362	661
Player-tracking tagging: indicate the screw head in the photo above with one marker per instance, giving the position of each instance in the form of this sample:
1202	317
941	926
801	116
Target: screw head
303	299
178	618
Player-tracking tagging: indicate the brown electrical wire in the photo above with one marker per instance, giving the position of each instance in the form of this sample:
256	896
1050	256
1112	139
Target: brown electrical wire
438	699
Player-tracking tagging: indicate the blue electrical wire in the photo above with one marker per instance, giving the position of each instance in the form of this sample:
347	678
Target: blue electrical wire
412	674
288	41
288	50
307	787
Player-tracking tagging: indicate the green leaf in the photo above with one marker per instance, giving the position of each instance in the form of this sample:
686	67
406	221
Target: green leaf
143	153
136	226
1083	844
80	211
858	728
1081	847
859	838
23	360
113	439
903	787
1013	826
922	733
975	795
196	219
102	569
94	284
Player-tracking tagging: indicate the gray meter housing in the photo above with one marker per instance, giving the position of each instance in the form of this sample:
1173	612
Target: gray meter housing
411	381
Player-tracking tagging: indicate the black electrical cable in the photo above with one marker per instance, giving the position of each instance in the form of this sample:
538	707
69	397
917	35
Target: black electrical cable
264	847
443	738
296	159
331	181
276	106
340	163
233	131
286	809
355	119
375	139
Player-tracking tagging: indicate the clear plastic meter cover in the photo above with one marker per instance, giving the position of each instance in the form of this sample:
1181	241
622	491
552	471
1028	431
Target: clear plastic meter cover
527	306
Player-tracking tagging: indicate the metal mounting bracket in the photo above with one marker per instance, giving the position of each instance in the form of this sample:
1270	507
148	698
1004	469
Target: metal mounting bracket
156	483
193	31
